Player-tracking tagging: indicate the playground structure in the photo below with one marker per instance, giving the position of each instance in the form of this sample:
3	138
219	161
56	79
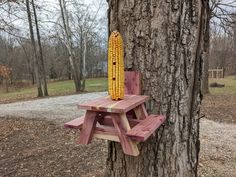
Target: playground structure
216	73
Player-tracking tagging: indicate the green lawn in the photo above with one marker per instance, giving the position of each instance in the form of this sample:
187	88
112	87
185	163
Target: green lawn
54	88
230	86
95	85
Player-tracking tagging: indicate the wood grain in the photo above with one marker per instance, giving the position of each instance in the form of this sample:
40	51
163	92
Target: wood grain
75	124
105	104
88	128
107	120
143	130
140	112
122	126
132	83
106	132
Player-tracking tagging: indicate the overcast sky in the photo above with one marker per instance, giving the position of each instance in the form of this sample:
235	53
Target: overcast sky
50	11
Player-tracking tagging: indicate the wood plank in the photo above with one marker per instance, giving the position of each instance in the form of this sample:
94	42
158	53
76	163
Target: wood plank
105	104
107	120
88	128
106	132
76	123
143	130
132	82
122	126
140	112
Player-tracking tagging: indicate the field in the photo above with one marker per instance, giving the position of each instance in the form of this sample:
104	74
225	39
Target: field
50	150
54	89
229	89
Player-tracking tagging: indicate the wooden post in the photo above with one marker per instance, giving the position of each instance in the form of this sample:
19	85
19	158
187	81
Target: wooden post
90	121
122	126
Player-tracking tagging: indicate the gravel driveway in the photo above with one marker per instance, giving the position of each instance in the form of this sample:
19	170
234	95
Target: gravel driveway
60	108
218	140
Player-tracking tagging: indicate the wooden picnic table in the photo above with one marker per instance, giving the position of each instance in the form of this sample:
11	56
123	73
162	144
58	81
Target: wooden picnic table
125	121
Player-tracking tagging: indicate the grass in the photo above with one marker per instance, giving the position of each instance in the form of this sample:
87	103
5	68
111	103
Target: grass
54	89
230	86
95	85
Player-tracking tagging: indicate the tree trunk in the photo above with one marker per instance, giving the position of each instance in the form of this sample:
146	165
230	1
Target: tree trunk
164	41
7	87
42	66
206	53
36	63
84	62
69	45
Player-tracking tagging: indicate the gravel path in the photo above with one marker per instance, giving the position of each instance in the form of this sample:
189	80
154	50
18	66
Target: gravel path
60	108
218	149
218	140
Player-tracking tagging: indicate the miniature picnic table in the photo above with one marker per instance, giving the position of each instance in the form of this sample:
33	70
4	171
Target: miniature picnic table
125	121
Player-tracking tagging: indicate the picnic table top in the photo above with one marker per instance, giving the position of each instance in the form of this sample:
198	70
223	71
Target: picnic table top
106	104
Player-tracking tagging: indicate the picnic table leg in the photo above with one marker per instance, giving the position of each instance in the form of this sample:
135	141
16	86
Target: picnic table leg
88	128
121	124
140	112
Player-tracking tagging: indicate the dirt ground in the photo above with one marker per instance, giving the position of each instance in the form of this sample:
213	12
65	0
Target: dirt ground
34	147
43	148
220	108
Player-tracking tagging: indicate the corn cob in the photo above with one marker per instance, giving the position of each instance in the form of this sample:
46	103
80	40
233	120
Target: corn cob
116	66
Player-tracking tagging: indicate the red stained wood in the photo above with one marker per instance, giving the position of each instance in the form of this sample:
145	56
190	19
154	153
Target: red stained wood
132	82
88	128
76	123
146	127
106	129
121	125
140	112
106	132
107	120
105	104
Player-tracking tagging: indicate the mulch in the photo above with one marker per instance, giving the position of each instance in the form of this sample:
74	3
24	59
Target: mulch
43	148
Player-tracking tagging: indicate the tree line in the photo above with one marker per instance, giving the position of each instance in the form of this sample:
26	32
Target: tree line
41	40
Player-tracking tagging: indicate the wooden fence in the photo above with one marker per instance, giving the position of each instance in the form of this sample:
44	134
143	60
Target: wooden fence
216	73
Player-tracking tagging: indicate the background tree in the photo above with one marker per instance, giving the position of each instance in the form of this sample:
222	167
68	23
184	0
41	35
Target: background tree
75	64
50	41
40	52
34	49
164	40
219	16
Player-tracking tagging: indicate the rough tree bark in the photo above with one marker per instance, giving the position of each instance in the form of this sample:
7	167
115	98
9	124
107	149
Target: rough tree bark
41	60
164	41
36	62
206	52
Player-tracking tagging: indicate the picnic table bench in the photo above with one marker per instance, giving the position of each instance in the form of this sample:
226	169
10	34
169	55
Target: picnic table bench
125	121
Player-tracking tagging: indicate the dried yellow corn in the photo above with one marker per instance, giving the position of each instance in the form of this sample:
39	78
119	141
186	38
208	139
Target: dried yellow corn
116	66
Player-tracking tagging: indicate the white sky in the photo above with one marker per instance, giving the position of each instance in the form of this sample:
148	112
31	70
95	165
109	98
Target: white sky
50	12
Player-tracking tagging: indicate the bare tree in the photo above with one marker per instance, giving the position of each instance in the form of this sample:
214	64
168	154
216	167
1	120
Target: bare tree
220	15
69	44
86	24
76	35
36	61
41	60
